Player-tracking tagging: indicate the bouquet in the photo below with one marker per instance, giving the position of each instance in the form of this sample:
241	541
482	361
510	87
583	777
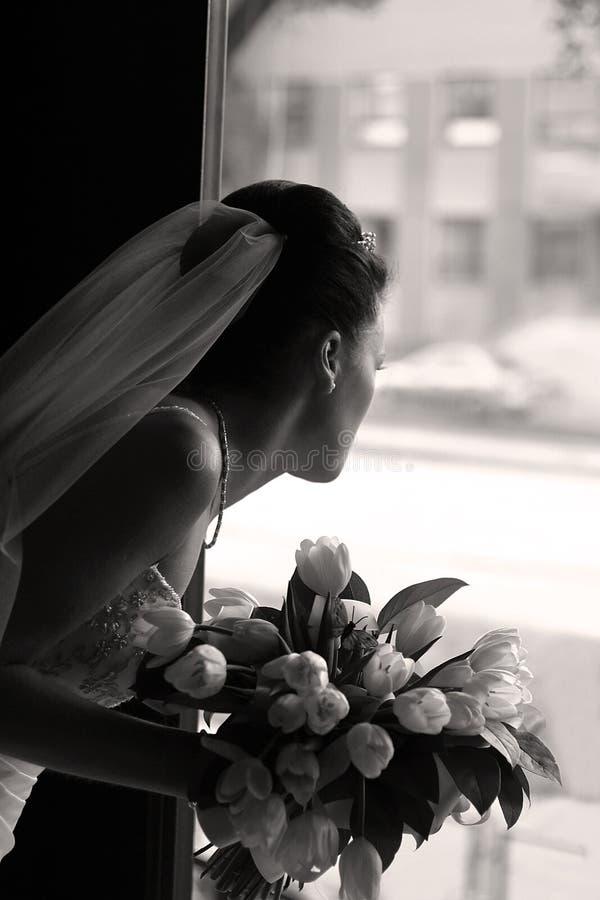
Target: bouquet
338	741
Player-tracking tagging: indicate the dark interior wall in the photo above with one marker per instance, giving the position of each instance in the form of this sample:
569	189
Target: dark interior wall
108	137
110	106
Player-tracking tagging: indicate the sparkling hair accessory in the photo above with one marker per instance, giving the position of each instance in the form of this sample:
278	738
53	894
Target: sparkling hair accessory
368	241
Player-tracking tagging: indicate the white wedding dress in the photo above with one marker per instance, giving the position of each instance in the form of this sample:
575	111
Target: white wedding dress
99	660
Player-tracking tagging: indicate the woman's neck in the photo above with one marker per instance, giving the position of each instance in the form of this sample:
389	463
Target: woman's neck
261	433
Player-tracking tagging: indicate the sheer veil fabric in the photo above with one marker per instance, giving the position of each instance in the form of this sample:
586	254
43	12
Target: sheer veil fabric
110	351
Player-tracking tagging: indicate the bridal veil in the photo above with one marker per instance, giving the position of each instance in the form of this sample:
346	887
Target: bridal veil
110	350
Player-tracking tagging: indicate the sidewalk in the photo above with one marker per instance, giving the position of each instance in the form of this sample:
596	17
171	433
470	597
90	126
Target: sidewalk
570	455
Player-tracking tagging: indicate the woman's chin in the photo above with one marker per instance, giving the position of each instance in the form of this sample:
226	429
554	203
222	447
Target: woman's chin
319	474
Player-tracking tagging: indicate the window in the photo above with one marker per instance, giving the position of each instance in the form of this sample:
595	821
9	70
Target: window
557	251
376	111
566	112
469	114
299	114
461	250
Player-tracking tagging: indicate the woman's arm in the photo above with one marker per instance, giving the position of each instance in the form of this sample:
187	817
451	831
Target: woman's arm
44	722
135	506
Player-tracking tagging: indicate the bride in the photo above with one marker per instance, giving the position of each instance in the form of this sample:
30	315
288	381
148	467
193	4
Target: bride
195	365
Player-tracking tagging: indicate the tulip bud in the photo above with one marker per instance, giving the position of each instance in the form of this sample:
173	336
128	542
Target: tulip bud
498	649
466	716
423	710
247	776
309	846
230	602
454	675
287	712
417	626
165	632
386	671
298	769
370	748
200	673
360	871
258	636
324	567
306	671
325	708
260	823
499	693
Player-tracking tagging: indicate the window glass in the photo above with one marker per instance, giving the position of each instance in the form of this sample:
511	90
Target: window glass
558	251
566	112
461	250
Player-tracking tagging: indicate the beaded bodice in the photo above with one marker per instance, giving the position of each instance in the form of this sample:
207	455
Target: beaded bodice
99	659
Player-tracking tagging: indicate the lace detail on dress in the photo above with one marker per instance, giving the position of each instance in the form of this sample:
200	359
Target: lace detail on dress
99	660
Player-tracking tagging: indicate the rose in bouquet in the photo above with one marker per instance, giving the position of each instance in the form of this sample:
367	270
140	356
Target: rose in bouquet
338	741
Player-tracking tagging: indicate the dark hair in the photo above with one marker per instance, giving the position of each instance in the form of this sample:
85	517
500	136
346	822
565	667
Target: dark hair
323	277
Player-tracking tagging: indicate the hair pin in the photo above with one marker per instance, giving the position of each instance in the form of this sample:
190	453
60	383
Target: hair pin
368	241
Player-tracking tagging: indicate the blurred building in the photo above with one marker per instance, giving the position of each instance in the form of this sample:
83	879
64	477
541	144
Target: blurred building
445	127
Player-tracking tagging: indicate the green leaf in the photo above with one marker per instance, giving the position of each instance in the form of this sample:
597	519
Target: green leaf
536	757
295	612
426	678
522	779
433	592
382	819
351	674
268	613
511	794
476	775
356	589
416	656
334	760
413	773
499	737
362	705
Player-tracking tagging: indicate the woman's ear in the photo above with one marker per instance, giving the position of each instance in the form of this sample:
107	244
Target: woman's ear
329	363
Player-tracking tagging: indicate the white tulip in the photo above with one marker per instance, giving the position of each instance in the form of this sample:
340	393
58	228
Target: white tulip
164	632
324	566
416	627
360	870
325	708
370	748
200	673
423	710
230	602
386	671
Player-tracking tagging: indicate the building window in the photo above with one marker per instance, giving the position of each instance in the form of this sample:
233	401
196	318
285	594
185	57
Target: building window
557	251
566	112
468	119
299	114
460	255
376	112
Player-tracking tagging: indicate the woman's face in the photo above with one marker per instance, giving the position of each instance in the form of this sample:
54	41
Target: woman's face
339	414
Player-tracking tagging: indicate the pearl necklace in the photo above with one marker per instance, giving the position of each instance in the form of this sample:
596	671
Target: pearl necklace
225	471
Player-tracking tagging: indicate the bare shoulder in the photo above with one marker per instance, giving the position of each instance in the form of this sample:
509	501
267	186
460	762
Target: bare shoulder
177	451
136	505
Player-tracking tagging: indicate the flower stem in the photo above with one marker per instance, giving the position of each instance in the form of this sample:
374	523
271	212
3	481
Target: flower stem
285	644
216	628
363	800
